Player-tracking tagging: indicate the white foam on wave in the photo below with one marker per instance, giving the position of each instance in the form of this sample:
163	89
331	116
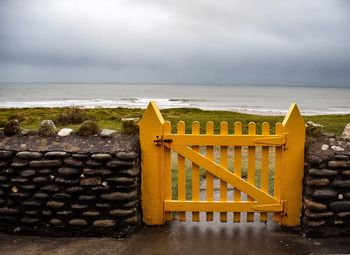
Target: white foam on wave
164	103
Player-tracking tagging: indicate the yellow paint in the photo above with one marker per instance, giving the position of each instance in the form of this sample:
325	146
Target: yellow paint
151	126
293	166
237	161
226	140
251	166
288	143
224	164
209	175
195	173
167	171
264	179
219	206
181	174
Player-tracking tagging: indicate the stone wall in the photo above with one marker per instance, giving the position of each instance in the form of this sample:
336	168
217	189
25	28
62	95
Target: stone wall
326	206
69	185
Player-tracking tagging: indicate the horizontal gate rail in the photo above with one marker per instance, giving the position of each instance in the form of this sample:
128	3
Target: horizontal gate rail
224	140
220	206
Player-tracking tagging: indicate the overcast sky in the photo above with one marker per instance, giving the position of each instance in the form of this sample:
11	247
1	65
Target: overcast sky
232	42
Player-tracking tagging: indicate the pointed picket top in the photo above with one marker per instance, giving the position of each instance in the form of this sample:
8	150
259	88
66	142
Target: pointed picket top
293	116
152	114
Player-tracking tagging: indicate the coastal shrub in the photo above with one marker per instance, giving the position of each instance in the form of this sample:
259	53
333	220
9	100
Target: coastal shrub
89	127
12	127
16	116
71	115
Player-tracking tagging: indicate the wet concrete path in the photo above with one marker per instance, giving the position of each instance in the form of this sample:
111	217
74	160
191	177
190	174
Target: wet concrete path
183	238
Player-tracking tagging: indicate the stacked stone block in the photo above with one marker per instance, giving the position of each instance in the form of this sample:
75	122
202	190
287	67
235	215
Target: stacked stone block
63	193
326	207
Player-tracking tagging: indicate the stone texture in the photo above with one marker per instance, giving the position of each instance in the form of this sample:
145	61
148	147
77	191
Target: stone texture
56	154
314	160
341	157
19	164
315	206
29	155
94	163
40	195
317	215
90	181
101	156
46	163
107	133
322	172
339	164
26	186
61	196
75	189
121	180
60	180
104	223
343	214
341	183
86	197
325	194
91	214
80	156
69	171
27	220
77	222
132	220
55	204
121	212
126	156
47	128
345	173
346	132
40	180
314	223
64	213
119	196
55	222
317	182
5	154
73	162
79	206
65	132
101	172
27	173
7	210
340	206
118	164
32	203
50	188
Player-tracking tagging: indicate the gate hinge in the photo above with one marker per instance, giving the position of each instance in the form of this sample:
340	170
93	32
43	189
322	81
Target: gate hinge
284	208
159	141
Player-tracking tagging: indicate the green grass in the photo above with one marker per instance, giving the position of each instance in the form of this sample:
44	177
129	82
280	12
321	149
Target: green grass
111	118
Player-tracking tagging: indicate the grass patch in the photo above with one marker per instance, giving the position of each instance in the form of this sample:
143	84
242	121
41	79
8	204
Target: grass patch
111	118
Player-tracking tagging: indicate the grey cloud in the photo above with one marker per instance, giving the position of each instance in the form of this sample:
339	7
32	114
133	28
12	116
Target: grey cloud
250	42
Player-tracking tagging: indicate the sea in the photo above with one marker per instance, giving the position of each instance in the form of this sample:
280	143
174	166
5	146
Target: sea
263	100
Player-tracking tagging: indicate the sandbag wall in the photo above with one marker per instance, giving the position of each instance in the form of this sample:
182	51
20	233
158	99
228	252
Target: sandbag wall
66	192
326	202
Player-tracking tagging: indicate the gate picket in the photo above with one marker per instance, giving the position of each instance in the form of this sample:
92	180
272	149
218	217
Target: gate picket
223	163
237	168
210	176
195	173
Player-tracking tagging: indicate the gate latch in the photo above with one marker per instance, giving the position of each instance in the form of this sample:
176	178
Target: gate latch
159	141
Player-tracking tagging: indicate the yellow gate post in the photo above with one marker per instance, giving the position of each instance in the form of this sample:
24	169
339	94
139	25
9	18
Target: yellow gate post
293	166
151	127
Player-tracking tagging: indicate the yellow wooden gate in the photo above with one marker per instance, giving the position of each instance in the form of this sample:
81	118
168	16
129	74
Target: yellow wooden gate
212	154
